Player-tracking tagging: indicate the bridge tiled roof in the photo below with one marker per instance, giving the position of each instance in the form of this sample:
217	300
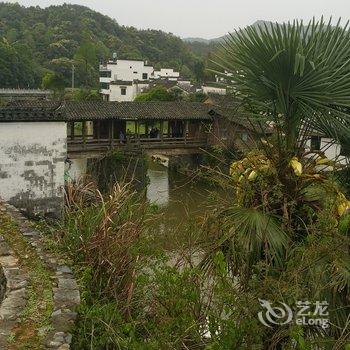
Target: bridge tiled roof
228	107
94	110
45	111
137	110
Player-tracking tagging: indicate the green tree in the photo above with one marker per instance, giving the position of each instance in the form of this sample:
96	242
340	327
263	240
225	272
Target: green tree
284	237
78	33
158	93
198	69
87	54
53	81
12	35
293	78
86	95
185	72
16	68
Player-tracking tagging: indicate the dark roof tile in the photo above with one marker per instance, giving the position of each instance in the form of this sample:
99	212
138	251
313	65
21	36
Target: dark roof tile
121	82
94	110
34	111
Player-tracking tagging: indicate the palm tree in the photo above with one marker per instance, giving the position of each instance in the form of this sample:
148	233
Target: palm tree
293	75
296	78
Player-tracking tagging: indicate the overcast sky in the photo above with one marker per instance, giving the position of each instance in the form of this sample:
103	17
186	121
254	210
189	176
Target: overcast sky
205	18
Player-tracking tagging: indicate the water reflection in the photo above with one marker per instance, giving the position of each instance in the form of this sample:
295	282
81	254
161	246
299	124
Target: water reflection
158	186
177	195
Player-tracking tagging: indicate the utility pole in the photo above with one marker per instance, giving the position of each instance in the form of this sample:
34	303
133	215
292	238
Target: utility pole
73	70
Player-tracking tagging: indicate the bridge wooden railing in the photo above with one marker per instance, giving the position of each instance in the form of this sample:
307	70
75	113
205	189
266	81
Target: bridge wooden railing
93	145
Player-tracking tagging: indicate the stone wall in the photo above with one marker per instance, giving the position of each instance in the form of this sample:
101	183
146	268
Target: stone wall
13	285
32	160
66	296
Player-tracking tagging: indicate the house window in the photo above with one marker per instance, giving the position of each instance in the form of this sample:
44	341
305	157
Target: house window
135	72
144	76
244	136
123	91
104	86
315	143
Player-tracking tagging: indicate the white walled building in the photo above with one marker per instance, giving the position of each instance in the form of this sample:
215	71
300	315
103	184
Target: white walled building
331	150
222	79
126	70
166	73
121	80
32	163
214	89
124	91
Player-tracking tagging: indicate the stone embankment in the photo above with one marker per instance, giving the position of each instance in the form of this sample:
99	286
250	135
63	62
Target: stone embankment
15	284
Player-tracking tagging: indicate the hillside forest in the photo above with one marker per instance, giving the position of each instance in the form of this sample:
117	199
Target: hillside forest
40	44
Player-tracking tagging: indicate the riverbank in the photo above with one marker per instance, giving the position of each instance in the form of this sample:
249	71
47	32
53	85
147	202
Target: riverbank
41	292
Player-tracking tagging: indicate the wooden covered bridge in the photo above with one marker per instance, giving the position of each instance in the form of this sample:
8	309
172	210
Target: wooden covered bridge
95	127
37	138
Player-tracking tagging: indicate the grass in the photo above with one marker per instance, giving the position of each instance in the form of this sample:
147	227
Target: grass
36	315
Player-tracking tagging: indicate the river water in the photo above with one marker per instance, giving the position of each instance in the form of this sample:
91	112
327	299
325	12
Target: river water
176	195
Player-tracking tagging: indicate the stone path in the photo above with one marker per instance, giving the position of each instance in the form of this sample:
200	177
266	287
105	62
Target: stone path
14	283
64	287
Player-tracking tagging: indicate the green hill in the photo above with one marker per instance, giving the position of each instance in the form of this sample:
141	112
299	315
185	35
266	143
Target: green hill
203	47
34	41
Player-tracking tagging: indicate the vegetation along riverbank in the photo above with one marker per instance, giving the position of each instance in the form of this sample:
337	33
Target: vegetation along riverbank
280	236
259	259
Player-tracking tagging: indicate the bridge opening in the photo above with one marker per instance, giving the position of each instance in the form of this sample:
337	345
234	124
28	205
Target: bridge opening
101	135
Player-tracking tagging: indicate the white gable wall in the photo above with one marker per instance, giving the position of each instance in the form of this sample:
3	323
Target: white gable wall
32	158
213	90
166	73
116	93
128	70
125	71
331	150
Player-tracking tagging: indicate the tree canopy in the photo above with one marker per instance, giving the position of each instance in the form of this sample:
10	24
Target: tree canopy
52	39
158	93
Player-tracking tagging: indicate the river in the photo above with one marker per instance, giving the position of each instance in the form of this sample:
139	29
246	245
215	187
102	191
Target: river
177	196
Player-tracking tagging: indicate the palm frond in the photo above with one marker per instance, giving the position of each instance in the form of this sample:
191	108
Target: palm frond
299	74
249	235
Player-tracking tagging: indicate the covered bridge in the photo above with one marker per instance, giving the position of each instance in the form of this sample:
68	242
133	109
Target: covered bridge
99	125
102	125
37	137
